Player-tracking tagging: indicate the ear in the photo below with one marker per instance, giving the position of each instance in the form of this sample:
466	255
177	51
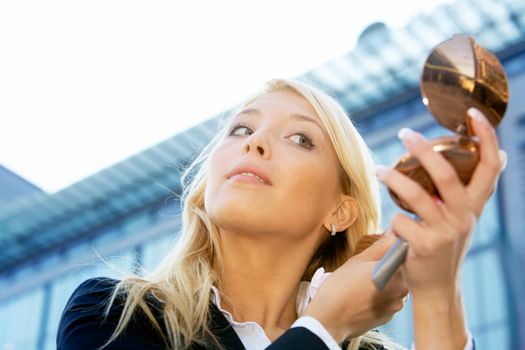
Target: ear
343	216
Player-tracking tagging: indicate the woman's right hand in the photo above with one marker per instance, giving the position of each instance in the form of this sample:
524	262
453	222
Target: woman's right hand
349	304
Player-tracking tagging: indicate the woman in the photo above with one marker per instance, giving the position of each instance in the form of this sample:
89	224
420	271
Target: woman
280	196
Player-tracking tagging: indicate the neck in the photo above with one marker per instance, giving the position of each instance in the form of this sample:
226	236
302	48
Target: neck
261	278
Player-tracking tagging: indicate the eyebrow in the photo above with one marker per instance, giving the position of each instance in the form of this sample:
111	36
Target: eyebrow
296	116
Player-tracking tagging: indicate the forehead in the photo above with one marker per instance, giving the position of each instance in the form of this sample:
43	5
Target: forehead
285	102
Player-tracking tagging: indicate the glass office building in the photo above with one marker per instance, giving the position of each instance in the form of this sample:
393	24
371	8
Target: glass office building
126	217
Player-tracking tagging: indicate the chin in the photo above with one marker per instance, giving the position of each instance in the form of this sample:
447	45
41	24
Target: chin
237	211
237	215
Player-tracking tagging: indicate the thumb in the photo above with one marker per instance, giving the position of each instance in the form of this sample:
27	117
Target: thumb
379	248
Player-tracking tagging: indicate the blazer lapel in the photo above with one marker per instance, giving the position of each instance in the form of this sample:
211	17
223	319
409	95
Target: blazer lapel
223	330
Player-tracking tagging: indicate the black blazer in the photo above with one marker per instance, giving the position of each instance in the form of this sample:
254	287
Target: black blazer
82	326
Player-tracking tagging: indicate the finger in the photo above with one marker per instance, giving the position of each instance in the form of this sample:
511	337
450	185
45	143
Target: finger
396	288
392	297
411	192
379	248
490	164
409	230
395	304
443	174
365	242
503	159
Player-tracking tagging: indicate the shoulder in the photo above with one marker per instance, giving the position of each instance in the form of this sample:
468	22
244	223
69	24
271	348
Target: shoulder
89	301
83	324
90	293
83	313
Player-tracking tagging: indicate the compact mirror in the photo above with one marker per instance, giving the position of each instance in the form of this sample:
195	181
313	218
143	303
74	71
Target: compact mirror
458	74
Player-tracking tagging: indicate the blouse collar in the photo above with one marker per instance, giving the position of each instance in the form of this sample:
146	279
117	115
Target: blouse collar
307	290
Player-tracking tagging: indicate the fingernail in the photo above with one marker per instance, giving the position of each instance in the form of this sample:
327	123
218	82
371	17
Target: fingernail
380	171
408	136
503	159
476	114
437	200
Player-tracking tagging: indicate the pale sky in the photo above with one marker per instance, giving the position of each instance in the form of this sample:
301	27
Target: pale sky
85	84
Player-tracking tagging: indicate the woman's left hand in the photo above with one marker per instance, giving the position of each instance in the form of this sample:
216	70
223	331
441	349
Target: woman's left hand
439	240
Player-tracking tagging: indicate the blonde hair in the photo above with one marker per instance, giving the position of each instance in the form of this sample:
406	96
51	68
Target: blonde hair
182	282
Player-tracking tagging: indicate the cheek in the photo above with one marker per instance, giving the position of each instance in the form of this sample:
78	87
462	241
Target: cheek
320	189
310	191
214	175
224	202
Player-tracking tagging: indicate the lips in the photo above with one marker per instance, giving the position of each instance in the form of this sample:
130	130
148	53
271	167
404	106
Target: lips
249	173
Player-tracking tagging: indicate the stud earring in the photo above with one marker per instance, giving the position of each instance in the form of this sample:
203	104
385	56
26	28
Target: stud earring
333	230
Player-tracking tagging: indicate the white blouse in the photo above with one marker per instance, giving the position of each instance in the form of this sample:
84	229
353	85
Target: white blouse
253	337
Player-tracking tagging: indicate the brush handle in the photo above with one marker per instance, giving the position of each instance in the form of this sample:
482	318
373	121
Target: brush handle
389	263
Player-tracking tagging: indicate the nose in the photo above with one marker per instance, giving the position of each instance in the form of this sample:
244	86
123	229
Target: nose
256	142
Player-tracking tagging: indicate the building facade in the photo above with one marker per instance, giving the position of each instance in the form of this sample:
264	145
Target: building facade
127	217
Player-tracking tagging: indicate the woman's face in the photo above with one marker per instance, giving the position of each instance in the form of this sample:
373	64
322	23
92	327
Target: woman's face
276	172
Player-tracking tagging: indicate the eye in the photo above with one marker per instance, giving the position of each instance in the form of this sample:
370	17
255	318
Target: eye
240	130
302	140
